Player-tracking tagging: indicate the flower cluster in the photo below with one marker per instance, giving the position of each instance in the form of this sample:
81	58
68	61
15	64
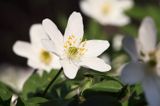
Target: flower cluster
49	51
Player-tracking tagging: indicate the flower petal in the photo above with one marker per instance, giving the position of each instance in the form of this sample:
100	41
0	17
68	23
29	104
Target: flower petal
54	33
14	100
34	64
95	47
23	49
119	20
50	46
124	4
147	35
117	42
86	7
70	69
151	86
55	64
23	77
132	72
129	45
37	34
74	26
14	77
95	64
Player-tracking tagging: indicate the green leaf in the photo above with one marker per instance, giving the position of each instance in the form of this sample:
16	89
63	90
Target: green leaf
36	84
35	101
5	94
100	100
107	86
53	102
138	89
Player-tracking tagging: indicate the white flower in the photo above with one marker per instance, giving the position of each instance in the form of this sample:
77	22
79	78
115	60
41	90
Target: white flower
107	12
36	54
106	58
14	99
145	65
72	51
117	42
14	77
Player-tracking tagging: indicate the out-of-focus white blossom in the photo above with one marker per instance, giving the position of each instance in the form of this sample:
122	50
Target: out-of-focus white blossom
106	58
14	77
117	42
72	51
38	57
107	12
13	101
145	64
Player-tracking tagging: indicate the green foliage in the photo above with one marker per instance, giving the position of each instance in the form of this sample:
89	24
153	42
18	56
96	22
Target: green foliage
89	88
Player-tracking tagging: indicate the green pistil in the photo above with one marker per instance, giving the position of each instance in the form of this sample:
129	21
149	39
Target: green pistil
72	51
152	63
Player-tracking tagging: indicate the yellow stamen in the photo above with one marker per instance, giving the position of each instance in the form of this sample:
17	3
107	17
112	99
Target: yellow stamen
105	9
45	57
71	48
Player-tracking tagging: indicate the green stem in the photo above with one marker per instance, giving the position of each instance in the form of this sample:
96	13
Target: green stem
52	81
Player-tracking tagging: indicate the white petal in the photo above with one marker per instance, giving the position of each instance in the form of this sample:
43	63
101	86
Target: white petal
37	34
147	35
23	77
151	86
40	72
86	7
95	64
23	49
106	58
50	46
34	64
69	68
129	45
124	4
132	72
95	47
74	26
14	99
117	42
54	33
14	77
117	19
121	20
55	62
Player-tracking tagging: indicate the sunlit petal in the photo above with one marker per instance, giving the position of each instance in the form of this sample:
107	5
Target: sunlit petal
95	64
132	73
147	35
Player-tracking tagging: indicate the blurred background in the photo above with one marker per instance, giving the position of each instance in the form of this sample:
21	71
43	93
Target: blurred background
16	17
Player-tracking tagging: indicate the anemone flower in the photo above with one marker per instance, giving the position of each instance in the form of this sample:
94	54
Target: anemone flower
145	64
14	77
107	12
38	57
72	51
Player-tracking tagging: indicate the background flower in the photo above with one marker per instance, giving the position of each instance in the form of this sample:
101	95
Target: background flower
36	54
144	67
14	77
107	12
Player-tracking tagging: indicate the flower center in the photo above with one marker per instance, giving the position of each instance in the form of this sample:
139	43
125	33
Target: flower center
74	49
45	57
149	58
105	9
